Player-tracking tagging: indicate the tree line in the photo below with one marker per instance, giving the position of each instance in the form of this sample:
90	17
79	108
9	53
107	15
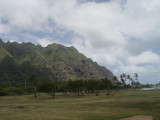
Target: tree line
78	87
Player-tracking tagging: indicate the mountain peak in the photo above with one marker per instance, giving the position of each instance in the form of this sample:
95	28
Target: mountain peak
54	62
1	42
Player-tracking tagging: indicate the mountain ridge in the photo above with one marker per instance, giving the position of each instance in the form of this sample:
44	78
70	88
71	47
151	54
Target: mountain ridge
54	62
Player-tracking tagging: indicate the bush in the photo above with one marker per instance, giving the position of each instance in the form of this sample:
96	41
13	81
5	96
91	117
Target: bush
2	93
12	91
47	87
29	89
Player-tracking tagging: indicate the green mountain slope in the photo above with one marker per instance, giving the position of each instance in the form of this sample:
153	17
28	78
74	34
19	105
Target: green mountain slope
52	63
3	51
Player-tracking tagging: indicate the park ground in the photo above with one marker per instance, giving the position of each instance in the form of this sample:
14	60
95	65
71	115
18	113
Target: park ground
125	105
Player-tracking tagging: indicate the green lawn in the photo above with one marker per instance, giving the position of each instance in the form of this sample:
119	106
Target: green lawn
88	107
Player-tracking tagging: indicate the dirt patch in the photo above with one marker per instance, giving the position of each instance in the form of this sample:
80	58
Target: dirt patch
139	117
31	106
19	106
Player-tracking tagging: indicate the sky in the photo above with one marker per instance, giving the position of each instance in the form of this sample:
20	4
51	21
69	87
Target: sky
122	35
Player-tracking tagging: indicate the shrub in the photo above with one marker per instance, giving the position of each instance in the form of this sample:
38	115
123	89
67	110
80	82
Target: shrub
29	89
47	87
2	93
12	91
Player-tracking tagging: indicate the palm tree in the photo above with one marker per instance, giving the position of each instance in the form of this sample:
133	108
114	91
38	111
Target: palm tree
132	82
129	78
115	80
34	79
122	80
124	76
136	78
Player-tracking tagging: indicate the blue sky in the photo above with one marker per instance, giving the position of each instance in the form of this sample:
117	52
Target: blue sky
122	35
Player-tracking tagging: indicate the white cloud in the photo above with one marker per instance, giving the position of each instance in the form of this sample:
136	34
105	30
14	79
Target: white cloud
4	29
115	33
145	58
119	34
24	14
45	41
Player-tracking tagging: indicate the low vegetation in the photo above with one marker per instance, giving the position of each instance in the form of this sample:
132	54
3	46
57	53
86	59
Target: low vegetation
123	104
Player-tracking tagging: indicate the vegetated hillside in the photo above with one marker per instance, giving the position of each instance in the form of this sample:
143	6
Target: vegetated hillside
54	62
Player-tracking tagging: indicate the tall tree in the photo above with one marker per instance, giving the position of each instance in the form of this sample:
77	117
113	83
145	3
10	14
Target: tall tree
48	87
107	85
90	85
132	83
115	80
97	86
124	76
79	86
34	79
136	78
63	88
129	79
122	80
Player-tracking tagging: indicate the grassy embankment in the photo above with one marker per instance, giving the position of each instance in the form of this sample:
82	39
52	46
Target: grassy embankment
87	107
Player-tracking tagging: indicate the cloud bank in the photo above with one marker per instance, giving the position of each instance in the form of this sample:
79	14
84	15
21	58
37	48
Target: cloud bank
122	35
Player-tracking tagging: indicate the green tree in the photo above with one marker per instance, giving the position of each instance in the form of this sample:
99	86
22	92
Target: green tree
47	87
107	85
71	86
79	86
90	85
63	88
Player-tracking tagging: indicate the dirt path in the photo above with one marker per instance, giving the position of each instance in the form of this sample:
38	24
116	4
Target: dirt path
139	117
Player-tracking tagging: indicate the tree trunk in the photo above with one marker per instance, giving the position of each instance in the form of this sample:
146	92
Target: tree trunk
82	93
108	92
97	93
35	92
53	94
25	87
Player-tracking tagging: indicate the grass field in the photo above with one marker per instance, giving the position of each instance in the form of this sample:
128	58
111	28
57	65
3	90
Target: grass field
88	107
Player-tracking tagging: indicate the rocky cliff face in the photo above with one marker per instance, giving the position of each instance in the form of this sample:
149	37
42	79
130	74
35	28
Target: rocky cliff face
54	62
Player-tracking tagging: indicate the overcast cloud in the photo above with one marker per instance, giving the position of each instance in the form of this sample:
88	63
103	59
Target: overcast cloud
123	35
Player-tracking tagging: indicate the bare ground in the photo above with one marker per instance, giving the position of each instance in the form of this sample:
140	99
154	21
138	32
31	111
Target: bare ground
139	117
